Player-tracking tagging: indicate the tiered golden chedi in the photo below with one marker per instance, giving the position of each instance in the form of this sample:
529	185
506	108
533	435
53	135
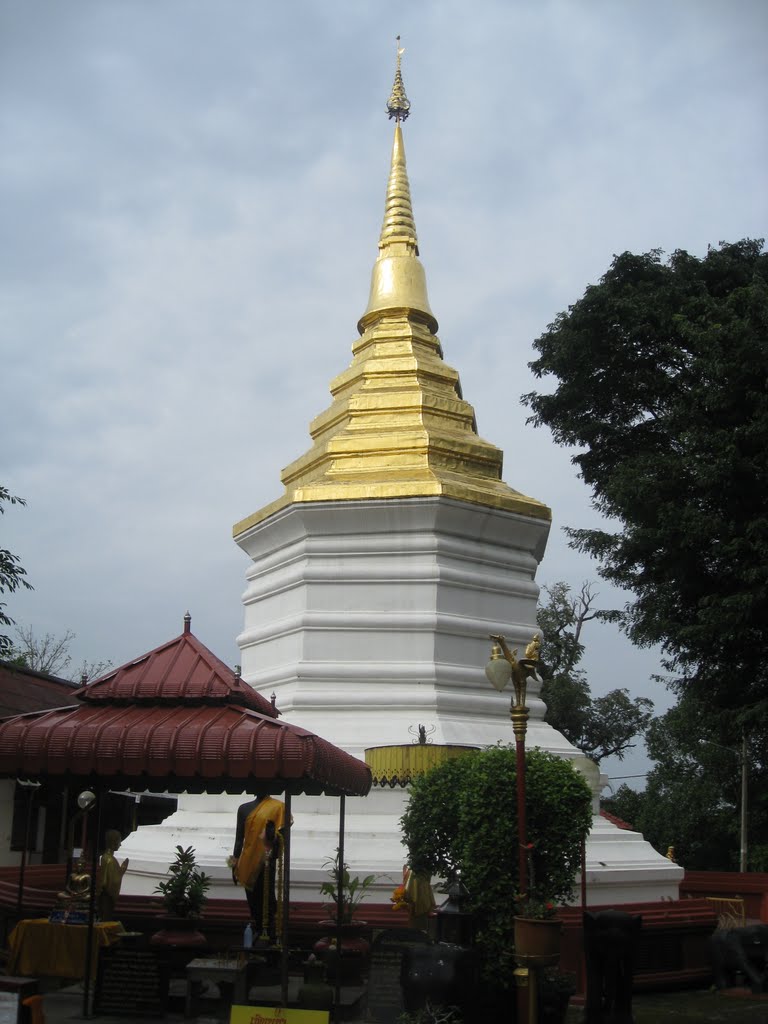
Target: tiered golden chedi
398	426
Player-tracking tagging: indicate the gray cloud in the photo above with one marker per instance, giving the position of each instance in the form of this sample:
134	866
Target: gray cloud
192	194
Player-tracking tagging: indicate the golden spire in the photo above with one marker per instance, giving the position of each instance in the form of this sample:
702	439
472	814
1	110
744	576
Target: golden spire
397	426
398	280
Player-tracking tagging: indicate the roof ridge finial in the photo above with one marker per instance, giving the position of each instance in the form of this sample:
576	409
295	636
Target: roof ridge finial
398	104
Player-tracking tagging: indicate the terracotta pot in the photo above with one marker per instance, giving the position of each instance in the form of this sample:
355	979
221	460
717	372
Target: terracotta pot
537	938
178	931
354	951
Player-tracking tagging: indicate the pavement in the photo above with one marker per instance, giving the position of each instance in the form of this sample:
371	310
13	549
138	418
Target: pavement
65	1006
737	1006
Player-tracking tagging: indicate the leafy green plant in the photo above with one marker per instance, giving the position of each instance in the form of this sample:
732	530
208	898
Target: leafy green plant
537	908
463	816
184	892
353	889
655	379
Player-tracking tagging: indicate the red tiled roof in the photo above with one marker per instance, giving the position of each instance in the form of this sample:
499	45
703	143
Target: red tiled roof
23	689
178	715
618	822
182	669
190	747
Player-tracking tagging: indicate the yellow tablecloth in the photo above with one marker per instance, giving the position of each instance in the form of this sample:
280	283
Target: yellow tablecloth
41	948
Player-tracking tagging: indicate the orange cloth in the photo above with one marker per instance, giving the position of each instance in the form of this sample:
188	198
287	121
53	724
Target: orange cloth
38	947
254	853
419	892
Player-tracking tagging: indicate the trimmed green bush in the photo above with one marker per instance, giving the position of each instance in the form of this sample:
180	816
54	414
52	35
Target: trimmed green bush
462	816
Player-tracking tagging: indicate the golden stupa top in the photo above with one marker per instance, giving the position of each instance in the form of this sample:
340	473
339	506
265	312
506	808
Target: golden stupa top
397	426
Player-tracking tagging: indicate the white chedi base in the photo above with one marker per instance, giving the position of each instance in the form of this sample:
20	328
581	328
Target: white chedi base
621	866
368	619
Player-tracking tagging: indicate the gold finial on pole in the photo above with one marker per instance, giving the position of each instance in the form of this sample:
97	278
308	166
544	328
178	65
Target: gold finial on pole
398	105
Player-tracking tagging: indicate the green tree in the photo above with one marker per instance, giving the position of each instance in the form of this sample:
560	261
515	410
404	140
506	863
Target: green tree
601	726
462	816
661	375
692	799
11	575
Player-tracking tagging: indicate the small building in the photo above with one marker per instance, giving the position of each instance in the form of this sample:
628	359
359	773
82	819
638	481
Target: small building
23	690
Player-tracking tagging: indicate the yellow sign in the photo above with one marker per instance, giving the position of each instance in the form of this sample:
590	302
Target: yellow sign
276	1015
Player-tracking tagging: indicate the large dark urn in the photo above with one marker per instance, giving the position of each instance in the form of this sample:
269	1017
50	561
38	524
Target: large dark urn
442	974
611	939
355	949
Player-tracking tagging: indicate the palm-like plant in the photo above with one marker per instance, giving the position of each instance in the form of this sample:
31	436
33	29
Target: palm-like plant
184	892
352	889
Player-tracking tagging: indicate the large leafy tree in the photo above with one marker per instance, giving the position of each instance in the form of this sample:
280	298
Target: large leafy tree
12	575
692	799
660	374
599	726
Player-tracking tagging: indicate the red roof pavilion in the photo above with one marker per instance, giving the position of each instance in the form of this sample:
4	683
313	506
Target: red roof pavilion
181	717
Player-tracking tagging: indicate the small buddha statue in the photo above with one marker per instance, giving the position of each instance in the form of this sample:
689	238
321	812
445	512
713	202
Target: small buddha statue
77	893
533	648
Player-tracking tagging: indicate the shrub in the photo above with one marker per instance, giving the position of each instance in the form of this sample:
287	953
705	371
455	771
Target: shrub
462	816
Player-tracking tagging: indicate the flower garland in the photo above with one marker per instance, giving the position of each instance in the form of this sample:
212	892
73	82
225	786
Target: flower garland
399	899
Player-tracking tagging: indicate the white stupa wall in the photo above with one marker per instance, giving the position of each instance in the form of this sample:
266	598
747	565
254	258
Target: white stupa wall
384	609
363	616
367	619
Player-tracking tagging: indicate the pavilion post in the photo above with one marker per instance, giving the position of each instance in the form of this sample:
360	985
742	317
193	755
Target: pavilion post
286	897
31	788
339	909
95	832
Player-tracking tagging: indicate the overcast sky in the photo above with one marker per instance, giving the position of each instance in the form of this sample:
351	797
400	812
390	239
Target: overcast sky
192	192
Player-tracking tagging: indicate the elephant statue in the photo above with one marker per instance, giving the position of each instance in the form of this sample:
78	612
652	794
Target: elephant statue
741	951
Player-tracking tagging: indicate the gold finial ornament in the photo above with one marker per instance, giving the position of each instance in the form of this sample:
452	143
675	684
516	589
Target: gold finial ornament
398	104
533	648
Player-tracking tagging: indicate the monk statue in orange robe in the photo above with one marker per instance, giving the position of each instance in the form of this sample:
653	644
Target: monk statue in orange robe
254	859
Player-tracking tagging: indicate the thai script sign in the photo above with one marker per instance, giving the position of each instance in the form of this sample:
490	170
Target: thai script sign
276	1015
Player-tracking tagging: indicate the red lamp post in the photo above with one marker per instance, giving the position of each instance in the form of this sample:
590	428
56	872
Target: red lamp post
503	666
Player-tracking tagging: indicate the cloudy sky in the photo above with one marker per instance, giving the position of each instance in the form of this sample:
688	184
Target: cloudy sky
191	197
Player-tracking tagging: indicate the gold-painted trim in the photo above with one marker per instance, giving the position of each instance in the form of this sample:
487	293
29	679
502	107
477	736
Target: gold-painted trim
398	765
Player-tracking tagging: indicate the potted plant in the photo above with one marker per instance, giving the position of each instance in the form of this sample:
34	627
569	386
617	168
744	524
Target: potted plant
534	907
463	814
184	896
354	947
352	889
537	930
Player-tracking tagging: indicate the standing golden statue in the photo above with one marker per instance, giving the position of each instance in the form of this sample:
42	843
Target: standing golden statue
110	877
